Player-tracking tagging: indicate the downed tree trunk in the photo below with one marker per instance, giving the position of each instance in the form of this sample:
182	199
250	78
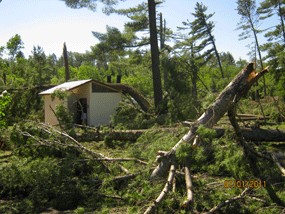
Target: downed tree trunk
268	135
125	88
115	135
256	135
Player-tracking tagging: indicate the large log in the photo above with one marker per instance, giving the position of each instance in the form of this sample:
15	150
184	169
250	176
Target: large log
268	135
257	135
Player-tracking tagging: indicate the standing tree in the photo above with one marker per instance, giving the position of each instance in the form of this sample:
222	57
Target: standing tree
157	87
268	8
191	59
14	46
276	38
249	23
111	46
202	29
39	66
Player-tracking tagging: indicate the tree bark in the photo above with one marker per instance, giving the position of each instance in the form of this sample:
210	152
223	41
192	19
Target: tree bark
259	53
157	88
67	76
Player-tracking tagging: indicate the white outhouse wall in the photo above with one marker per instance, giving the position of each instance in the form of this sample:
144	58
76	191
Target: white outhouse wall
50	118
102	106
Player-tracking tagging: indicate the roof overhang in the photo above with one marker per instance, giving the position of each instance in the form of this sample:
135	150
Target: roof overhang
67	86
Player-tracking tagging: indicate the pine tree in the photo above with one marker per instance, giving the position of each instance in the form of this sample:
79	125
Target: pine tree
275	46
269	8
202	30
249	23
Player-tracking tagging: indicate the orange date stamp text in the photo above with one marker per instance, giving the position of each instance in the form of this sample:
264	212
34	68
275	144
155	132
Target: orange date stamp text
241	184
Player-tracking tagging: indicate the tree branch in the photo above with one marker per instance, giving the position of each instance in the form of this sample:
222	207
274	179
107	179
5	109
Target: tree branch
242	195
165	189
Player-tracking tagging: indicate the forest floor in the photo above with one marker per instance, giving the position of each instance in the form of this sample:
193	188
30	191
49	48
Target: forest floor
92	187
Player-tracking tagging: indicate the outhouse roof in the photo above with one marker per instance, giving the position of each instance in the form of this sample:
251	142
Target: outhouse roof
65	86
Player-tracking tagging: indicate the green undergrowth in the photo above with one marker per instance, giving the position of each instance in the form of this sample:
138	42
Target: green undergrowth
35	178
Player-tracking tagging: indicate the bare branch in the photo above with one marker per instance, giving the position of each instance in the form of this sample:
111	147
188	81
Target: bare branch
213	210
165	189
188	182
277	163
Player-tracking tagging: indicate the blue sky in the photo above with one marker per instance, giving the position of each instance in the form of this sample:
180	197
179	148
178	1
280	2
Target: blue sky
49	23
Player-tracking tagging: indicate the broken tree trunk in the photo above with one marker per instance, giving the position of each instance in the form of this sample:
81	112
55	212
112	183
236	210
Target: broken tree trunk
236	89
67	76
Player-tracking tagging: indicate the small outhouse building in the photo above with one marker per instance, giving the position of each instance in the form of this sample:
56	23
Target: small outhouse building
91	102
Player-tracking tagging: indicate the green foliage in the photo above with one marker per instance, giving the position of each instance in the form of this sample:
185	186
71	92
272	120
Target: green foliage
128	118
72	72
14	45
24	102
205	132
181	108
38	183
5	99
60	94
63	114
232	161
208	100
60	176
88	72
183	152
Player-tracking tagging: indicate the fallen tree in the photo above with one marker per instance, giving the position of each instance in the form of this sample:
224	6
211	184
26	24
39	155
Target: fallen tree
43	136
256	135
235	90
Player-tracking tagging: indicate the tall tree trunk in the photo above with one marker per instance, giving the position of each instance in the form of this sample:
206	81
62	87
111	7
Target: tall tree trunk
157	88
67	77
161	32
215	49
217	55
194	84
259	53
162	40
281	19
